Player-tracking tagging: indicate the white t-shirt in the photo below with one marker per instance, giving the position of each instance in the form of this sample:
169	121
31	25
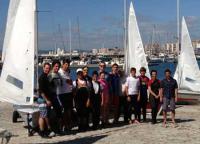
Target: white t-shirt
133	84
65	87
96	87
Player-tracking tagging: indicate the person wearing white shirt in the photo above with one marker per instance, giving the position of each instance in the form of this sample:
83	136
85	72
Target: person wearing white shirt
65	94
133	95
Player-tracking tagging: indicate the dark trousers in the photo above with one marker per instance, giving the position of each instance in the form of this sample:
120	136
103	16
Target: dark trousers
134	104
154	107
96	110
143	106
83	114
123	108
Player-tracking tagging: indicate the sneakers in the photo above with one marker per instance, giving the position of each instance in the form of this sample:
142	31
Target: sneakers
52	134
43	135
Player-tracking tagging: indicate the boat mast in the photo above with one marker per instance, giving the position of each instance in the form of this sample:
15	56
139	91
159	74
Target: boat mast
70	40
178	43
178	27
36	44
125	38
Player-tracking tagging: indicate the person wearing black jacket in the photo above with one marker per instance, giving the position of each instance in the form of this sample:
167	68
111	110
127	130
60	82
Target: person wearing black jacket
96	100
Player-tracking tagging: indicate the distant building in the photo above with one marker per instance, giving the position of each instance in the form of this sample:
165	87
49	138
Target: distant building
95	51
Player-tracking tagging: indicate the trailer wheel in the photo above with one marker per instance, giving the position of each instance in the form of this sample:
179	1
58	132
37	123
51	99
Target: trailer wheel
15	116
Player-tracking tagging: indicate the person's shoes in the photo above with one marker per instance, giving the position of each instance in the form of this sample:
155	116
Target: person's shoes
42	134
52	134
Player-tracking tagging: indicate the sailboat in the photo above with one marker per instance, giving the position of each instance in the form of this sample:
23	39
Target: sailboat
19	53
187	72
134	53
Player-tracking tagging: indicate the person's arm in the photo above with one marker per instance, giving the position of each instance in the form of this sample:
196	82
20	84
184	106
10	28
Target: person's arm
126	91
161	94
138	99
42	84
152	93
176	94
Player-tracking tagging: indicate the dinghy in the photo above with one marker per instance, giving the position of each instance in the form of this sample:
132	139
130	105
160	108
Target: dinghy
134	53
187	72
19	71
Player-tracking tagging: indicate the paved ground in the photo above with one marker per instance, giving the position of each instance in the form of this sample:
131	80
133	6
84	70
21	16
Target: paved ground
187	131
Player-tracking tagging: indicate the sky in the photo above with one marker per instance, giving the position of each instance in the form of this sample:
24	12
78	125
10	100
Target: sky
101	22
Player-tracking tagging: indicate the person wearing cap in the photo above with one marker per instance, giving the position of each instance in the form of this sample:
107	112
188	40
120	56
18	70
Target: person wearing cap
81	100
143	91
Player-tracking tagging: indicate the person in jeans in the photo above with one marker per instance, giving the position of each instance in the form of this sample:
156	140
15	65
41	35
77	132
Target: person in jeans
133	95
169	95
154	95
143	91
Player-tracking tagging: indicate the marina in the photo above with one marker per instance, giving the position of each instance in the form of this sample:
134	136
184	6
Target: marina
97	84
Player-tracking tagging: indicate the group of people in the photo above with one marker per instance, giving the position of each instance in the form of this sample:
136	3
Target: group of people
101	95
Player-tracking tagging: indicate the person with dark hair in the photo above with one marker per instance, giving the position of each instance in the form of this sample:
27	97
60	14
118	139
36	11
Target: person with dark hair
65	94
81	100
143	91
96	100
122	97
44	102
102	68
133	95
90	88
115	90
154	96
105	99
55	81
169	95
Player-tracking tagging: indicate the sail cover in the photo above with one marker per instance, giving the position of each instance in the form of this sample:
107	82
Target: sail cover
134	54
17	77
187	72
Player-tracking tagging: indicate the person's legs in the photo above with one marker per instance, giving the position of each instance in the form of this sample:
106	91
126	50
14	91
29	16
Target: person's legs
42	119
96	111
165	107
144	107
130	105
172	108
136	106
153	109
116	108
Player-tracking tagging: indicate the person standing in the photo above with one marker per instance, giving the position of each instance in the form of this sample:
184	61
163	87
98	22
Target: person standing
81	100
65	94
115	90
102	68
169	95
122	97
55	81
105	100
143	91
44	102
133	95
96	100
154	95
